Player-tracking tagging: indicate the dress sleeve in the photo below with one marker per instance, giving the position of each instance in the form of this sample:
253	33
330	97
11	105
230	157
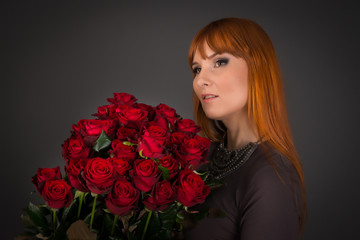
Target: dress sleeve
268	208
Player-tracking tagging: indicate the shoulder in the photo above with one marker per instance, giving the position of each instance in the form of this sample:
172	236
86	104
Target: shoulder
270	180
268	163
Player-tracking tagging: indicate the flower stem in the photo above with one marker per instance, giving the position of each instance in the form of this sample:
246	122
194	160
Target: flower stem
81	199
146	225
114	224
93	211
54	219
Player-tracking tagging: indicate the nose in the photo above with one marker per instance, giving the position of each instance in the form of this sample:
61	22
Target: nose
203	78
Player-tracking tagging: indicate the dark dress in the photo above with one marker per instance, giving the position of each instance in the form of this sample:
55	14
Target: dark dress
257	204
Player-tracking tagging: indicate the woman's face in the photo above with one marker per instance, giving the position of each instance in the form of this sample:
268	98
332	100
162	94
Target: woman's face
221	84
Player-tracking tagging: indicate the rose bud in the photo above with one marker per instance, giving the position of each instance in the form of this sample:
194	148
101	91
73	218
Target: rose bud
161	196
122	98
119	150
187	126
74	147
105	112
169	112
122	198
131	117
91	129
193	151
170	163
190	161
99	175
148	108
145	174
152	141
127	134
122	166
43	175
73	171
177	137
191	189
162	121
57	193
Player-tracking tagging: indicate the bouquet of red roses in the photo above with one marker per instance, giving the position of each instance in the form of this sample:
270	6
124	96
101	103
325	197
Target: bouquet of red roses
129	174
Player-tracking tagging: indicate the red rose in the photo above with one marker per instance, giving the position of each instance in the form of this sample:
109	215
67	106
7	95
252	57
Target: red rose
91	129
127	134
73	171
122	98
122	198
74	147
203	141
57	193
106	112
162	121
169	112
190	160
193	145
131	117
188	126
99	175
119	150
193	151
177	137
145	174
121	166
170	163
161	195
153	140
43	175
191	189
148	108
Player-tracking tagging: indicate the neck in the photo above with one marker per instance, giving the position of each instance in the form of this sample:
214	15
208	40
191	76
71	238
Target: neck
240	132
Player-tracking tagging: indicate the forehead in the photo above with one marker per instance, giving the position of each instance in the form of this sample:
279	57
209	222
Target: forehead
203	51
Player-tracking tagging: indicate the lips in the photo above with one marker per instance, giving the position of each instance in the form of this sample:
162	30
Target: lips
208	97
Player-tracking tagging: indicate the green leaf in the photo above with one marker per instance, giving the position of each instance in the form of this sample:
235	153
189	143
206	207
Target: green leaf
203	175
87	218
45	210
168	217
37	218
165	172
71	211
102	142
164	234
107	210
29	225
108	222
179	217
141	155
127	143
154	226
215	183
78	193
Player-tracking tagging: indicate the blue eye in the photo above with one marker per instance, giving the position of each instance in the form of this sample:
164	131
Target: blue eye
221	62
196	70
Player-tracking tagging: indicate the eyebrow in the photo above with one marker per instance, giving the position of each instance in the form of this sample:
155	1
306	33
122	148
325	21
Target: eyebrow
209	57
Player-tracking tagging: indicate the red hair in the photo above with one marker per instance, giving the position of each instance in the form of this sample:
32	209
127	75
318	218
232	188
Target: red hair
266	102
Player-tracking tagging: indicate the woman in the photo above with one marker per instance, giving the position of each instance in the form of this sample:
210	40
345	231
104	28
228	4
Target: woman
239	104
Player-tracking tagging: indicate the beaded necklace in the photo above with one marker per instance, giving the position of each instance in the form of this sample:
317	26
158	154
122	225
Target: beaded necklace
225	161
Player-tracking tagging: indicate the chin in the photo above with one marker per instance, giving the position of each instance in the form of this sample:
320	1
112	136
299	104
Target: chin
213	115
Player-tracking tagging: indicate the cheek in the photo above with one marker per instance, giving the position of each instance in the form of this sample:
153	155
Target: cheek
237	90
196	89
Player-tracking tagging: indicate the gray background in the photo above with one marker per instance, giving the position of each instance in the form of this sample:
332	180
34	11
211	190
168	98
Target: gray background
62	59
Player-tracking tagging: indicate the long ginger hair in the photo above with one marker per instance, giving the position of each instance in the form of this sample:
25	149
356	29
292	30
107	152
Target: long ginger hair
266	102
